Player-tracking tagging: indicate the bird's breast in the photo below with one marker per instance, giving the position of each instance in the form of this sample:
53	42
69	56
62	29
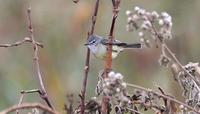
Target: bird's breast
102	51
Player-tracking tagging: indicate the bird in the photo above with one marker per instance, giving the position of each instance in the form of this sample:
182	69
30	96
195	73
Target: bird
98	46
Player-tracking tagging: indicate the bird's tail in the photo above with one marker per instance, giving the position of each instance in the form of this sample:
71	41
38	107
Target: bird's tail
135	45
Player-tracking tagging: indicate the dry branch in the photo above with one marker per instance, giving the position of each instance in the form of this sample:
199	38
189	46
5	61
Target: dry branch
28	106
108	64
18	43
43	95
87	61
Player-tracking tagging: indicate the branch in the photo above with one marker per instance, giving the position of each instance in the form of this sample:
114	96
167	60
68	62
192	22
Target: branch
163	96
108	64
18	43
23	93
28	106
44	95
20	102
87	61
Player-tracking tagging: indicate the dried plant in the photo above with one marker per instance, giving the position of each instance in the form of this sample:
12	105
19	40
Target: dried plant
112	96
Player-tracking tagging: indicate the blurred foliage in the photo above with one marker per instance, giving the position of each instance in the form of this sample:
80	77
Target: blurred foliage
62	27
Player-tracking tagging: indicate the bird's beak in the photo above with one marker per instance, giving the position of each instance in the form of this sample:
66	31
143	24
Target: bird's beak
86	44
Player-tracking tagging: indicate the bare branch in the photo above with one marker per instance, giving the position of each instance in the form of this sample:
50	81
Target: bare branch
23	92
108	64
44	95
29	106
87	61
20	102
18	43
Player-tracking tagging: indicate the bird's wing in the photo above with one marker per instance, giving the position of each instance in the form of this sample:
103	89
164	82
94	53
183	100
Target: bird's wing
115	42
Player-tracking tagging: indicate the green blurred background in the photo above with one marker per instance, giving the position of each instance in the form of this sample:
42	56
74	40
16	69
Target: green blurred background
62	27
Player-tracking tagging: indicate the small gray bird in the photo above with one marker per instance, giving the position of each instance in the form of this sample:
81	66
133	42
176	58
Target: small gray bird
98	46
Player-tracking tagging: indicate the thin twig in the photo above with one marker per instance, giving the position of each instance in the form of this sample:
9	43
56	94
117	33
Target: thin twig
87	61
44	95
108	64
23	92
18	43
29	106
20	102
163	96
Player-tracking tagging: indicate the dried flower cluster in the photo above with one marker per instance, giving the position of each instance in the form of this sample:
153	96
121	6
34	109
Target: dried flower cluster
156	27
116	89
148	23
190	86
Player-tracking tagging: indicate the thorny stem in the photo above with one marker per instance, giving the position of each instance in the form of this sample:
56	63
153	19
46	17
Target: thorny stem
108	64
87	61
44	95
163	96
29	106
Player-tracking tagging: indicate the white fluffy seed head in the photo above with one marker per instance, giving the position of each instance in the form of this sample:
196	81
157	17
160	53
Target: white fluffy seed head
155	14
118	76
147	23
117	90
164	14
128	13
137	8
141	34
135	17
129	19
161	22
141	39
168	21
141	12
147	41
144	27
107	83
148	13
111	74
124	85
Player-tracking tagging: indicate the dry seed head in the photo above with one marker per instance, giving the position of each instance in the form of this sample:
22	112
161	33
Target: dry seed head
128	13
155	15
141	34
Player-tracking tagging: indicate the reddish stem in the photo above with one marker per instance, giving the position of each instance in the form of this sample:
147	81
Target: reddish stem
108	64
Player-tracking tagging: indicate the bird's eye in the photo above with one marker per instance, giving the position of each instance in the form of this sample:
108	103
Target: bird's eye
93	41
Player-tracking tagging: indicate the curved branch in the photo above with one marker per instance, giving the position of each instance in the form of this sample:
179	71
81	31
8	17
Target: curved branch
28	106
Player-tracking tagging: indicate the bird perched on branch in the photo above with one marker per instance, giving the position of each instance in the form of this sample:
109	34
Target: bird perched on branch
98	46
